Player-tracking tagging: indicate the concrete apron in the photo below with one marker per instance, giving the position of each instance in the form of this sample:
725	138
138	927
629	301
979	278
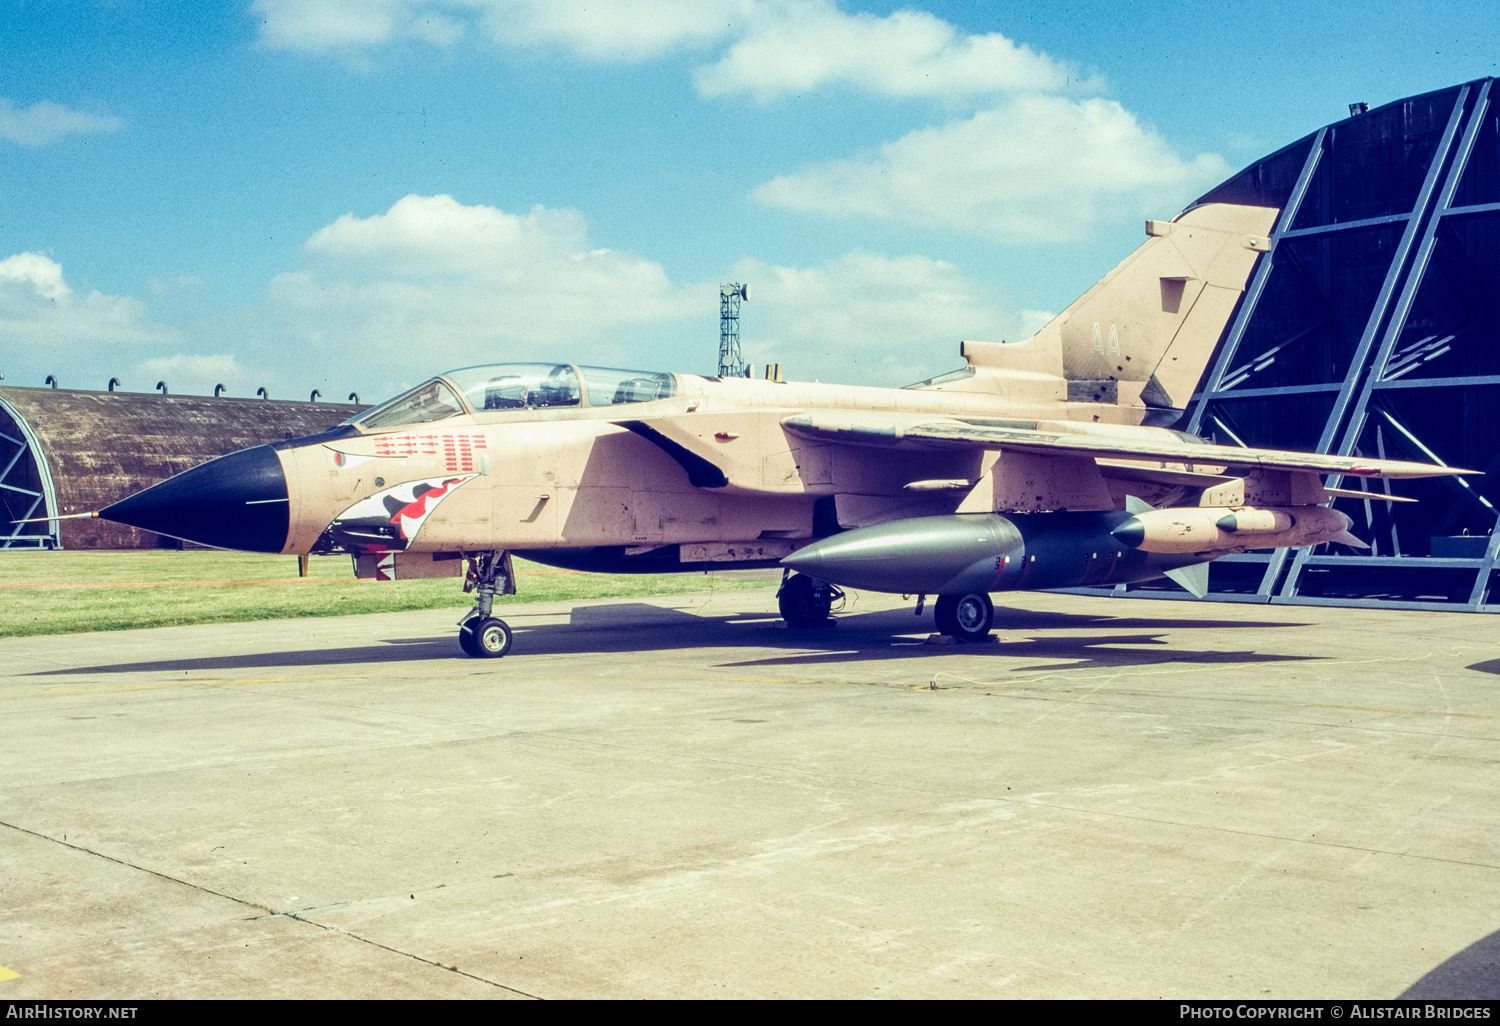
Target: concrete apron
680	798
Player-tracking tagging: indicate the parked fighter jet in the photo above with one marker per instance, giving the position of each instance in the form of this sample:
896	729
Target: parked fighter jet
1039	464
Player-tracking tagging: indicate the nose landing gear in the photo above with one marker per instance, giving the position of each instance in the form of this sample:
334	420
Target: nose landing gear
479	634
484	637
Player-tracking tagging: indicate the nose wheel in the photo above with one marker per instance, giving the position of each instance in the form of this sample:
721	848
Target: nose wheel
479	634
965	617
484	637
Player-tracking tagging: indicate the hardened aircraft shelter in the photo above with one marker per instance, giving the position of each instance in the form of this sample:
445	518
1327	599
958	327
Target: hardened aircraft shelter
65	450
1372	328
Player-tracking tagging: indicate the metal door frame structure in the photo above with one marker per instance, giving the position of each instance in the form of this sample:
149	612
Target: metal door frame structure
1371	374
22	461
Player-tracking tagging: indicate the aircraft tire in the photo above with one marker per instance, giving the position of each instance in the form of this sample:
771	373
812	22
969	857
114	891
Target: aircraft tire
967	618
804	602
466	636
485	638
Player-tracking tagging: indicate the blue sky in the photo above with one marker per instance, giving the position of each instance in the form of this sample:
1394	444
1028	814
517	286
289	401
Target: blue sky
354	194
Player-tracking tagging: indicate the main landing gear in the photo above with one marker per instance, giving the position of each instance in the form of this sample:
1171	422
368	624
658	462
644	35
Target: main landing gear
967	618
479	634
805	602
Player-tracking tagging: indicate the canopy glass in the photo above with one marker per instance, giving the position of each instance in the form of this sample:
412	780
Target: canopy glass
517	386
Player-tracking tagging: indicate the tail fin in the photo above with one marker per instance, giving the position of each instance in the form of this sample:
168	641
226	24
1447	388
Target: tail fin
1140	339
1144	334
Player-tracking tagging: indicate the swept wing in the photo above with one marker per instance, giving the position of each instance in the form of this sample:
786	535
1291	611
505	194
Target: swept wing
1149	444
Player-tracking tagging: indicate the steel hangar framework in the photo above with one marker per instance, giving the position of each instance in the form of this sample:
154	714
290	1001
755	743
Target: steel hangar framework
1372	327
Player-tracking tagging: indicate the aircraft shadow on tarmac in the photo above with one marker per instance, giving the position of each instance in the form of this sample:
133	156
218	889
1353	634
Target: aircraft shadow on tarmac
1488	666
1085	653
638	626
1471	975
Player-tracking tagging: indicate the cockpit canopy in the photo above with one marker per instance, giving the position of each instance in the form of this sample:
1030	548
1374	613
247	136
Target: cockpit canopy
517	386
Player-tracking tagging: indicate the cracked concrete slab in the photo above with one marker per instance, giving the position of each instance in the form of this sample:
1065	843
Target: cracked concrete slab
679	797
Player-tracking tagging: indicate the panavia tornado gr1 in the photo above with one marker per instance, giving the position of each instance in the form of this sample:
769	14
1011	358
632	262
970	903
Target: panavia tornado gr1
1045	463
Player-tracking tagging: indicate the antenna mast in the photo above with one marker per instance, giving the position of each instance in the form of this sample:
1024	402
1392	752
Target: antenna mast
731	364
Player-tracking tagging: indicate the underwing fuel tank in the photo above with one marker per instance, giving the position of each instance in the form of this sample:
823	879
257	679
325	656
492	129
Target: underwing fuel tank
1205	529
984	552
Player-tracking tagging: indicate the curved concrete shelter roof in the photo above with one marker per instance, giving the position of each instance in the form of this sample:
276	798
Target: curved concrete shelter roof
71	451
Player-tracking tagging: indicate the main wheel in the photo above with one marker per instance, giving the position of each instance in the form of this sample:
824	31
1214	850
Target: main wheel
805	602
965	617
485	638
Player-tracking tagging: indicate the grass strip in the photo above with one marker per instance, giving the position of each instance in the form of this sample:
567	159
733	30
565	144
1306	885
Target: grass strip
233	587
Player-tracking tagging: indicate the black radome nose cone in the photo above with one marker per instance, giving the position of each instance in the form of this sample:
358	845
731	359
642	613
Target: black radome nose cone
237	501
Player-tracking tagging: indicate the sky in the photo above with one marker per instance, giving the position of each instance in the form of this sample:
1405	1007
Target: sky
353	195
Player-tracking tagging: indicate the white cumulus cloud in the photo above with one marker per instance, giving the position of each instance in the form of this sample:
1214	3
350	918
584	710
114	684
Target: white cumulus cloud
1037	169
43	276
782	46
1034	161
800	45
44	122
38	309
614	29
433	283
436	283
314	25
